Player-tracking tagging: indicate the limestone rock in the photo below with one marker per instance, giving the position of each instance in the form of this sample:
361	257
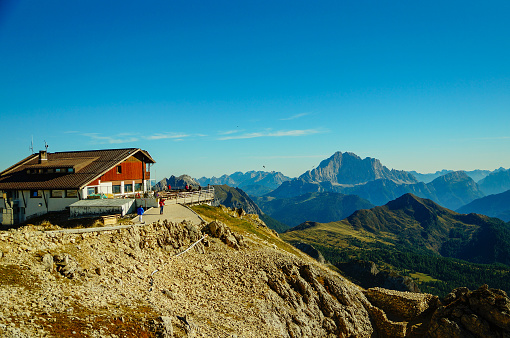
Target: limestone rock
220	230
323	304
403	306
481	313
66	265
47	261
163	328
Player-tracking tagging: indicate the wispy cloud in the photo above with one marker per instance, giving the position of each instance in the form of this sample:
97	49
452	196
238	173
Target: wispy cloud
230	132
294	117
280	133
161	136
111	139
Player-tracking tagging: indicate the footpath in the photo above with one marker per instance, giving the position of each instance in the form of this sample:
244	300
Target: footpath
173	213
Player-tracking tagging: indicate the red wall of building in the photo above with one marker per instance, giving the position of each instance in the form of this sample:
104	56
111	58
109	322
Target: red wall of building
131	169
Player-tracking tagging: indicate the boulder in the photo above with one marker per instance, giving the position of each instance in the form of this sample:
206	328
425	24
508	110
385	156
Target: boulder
47	261
403	306
220	230
481	313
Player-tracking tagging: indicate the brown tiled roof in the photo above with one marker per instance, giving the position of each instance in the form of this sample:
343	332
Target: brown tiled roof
88	166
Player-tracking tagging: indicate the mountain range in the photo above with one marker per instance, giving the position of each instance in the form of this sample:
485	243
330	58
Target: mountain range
318	207
497	205
476	175
254	183
176	182
347	173
416	236
496	182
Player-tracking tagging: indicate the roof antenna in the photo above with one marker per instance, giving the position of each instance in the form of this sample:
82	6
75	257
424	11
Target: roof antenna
46	145
31	148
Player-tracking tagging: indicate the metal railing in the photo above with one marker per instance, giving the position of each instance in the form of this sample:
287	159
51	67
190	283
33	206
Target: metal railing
187	197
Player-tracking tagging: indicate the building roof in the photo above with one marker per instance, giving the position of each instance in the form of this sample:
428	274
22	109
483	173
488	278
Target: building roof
85	167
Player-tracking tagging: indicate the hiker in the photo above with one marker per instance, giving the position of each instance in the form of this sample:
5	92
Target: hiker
169	187
140	211
187	187
161	205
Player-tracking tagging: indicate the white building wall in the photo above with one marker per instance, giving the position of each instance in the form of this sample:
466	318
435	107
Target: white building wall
41	205
105	188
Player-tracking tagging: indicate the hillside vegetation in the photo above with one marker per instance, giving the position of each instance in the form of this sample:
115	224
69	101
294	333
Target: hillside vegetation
413	235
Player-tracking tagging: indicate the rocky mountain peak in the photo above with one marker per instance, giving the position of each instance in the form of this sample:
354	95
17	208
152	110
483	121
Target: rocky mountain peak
348	168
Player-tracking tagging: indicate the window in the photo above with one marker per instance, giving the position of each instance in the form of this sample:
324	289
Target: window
138	187
70	170
57	193
91	191
57	170
35	193
147	167
71	193
119	169
116	189
128	188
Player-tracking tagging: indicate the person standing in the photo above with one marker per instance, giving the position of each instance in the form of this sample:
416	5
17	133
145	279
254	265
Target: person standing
161	205
140	213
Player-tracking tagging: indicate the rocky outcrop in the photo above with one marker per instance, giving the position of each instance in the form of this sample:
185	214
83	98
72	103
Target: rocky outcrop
321	305
402	306
481	313
220	230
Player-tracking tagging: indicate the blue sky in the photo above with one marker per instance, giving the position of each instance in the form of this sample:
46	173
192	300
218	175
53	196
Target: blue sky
213	87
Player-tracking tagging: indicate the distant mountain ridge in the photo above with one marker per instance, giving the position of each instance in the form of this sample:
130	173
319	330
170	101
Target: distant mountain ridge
497	205
318	207
176	182
495	183
254	183
348	174
476	175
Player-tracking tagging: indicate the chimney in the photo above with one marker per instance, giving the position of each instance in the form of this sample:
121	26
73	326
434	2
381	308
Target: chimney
43	156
